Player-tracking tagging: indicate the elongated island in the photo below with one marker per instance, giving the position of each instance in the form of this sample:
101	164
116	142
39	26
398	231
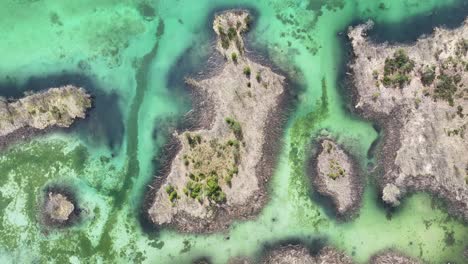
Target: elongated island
418	94
54	107
219	172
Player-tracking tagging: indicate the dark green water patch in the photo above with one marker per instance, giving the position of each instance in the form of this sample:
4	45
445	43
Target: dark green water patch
410	29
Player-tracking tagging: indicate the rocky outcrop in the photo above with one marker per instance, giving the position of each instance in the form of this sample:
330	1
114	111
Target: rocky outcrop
391	257
336	176
418	94
55	107
297	254
58	207
219	172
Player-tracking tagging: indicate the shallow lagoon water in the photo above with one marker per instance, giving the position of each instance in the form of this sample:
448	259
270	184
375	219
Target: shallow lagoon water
131	53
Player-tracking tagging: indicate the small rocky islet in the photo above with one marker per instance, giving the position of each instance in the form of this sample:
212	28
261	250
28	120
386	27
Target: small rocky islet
335	175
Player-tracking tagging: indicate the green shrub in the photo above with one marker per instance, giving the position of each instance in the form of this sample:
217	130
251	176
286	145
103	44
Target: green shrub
213	191
235	127
258	77
247	71
428	75
232	33
445	88
194	190
172	192
460	111
233	143
397	69
234	57
224	38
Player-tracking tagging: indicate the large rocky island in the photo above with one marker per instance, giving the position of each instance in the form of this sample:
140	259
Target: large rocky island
219	172
418	95
55	107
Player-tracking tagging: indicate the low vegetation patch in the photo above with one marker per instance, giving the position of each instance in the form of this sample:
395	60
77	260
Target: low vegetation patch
428	75
172	193
211	164
235	127
397	70
446	87
224	38
336	170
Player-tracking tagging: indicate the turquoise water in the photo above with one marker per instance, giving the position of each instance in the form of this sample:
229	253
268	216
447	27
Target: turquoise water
132	55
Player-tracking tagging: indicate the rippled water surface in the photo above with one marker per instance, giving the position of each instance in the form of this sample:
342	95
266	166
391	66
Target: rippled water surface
132	56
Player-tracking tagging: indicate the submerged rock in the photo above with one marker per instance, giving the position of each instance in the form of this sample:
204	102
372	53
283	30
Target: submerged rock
58	207
418	94
335	176
220	171
298	254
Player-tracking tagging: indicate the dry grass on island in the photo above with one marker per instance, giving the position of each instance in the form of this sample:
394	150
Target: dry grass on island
418	93
219	172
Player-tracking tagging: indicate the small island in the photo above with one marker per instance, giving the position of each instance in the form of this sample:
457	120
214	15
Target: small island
298	254
59	207
334	175
55	107
392	257
220	171
418	94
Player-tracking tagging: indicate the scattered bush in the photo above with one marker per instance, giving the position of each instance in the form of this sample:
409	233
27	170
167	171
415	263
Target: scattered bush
258	77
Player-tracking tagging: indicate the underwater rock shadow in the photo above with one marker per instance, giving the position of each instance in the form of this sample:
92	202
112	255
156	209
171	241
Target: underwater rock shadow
104	122
414	27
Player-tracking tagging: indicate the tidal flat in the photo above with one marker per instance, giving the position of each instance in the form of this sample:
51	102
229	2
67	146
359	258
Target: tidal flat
132	57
